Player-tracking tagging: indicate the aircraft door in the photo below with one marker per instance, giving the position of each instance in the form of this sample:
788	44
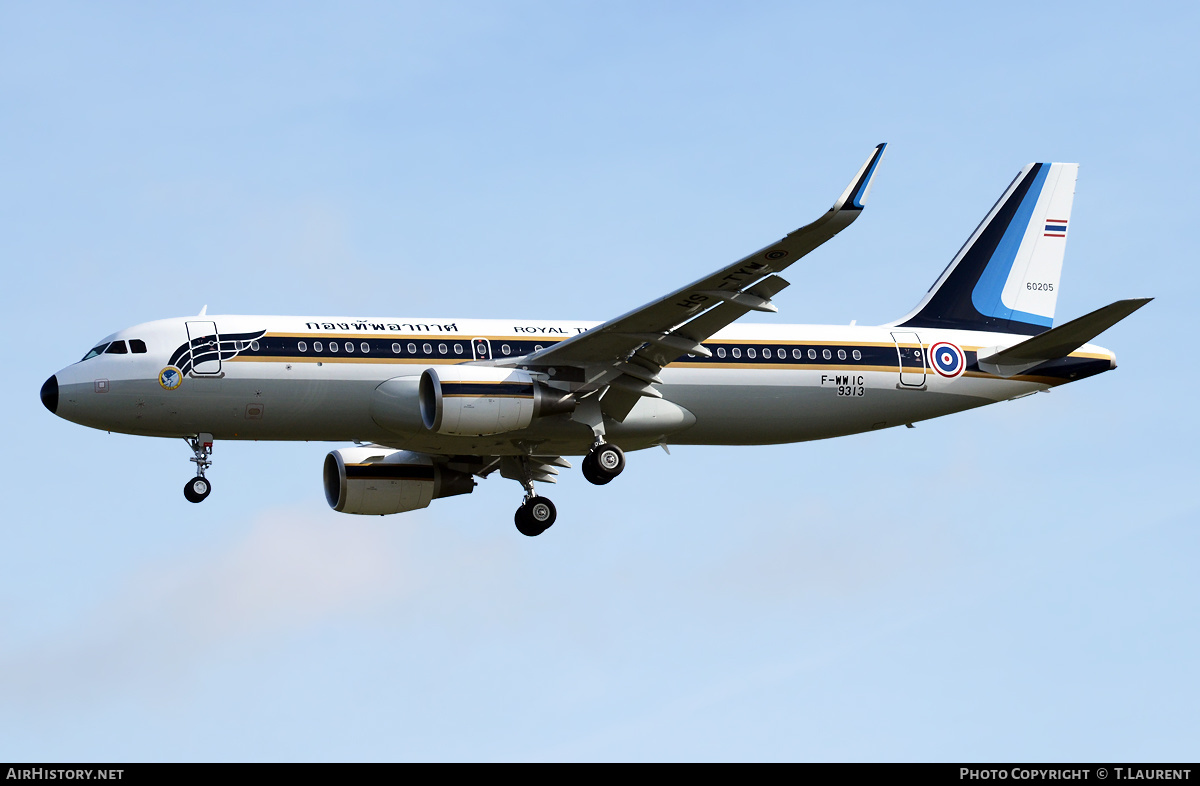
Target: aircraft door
205	345
482	348
911	355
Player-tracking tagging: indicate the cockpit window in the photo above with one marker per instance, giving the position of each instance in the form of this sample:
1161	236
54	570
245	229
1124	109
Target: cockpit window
137	346
116	348
95	351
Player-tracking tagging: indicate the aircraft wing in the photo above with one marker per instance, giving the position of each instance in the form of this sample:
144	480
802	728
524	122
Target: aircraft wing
627	352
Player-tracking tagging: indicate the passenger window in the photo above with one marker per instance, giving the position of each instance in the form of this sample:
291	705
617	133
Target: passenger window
318	346
737	353
365	347
302	347
825	353
254	345
427	349
720	352
841	354
333	346
812	354
137	346
750	353
395	349
116	348
412	348
458	349
349	346
857	355
781	353
441	349
797	354
506	349
537	347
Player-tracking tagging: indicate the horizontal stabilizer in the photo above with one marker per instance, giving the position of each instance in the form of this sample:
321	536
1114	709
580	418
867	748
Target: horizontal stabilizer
1057	342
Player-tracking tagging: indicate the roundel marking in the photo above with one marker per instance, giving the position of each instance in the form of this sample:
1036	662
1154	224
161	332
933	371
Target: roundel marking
948	359
170	378
777	254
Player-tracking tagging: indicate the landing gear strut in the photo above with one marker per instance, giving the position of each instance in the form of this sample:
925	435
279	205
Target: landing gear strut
603	463
198	488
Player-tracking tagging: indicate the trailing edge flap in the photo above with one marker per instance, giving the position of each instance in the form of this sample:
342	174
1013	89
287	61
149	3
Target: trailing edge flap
1057	342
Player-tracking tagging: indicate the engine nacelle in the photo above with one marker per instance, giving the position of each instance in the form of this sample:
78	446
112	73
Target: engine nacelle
475	401
376	481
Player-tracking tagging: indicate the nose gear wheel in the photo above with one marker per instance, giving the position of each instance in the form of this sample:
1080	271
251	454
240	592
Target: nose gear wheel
197	489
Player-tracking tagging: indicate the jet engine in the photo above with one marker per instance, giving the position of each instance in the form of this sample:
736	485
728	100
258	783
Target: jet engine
475	401
376	481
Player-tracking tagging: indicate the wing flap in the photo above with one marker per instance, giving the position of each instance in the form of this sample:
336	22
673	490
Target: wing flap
540	469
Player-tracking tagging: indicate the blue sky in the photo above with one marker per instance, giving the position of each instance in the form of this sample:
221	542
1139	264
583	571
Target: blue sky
1016	582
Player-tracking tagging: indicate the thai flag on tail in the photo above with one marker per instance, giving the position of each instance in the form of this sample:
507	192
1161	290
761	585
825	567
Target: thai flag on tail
1056	228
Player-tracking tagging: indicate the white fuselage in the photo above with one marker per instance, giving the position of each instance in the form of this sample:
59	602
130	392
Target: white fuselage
287	383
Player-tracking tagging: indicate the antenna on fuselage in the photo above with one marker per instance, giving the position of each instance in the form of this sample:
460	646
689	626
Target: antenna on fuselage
203	310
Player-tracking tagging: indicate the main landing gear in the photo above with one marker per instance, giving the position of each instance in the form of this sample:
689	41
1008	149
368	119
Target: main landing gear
535	516
603	463
198	488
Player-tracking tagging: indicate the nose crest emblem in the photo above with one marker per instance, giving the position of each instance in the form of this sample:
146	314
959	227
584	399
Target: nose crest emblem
170	378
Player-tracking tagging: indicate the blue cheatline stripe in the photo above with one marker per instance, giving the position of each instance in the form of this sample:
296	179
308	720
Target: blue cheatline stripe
1056	228
986	295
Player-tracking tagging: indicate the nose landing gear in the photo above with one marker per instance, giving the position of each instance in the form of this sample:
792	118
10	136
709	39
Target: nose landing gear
198	488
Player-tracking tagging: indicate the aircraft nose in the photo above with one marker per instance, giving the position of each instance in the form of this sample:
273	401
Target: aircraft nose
50	394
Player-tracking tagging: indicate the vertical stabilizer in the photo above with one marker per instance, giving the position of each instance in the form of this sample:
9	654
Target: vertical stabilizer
1005	278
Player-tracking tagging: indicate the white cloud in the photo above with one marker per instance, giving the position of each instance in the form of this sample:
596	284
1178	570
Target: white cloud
291	570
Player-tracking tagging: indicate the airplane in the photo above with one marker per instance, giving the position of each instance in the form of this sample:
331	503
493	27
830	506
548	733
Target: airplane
433	404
